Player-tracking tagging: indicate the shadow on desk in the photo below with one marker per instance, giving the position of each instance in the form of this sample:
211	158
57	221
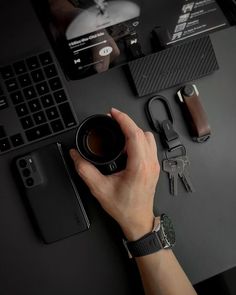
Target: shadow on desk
222	284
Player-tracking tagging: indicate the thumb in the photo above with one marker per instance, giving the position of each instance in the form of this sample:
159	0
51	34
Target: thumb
93	178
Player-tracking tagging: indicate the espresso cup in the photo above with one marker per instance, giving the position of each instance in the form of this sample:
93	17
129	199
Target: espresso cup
99	140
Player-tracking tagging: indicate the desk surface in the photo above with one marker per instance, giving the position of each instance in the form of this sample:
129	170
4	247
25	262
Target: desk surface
95	262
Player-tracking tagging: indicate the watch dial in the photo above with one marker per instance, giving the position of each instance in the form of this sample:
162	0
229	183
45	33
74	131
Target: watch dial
168	229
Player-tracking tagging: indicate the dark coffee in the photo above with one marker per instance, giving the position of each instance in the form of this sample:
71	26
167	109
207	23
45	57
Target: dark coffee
100	141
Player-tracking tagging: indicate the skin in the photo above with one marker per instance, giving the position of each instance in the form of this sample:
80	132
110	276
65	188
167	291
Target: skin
128	197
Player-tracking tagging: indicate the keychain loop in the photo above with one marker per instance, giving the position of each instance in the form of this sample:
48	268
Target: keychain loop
156	125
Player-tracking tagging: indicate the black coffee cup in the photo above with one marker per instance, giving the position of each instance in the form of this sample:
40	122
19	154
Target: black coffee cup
99	140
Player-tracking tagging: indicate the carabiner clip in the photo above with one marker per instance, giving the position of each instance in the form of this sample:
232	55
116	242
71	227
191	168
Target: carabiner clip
155	124
165	129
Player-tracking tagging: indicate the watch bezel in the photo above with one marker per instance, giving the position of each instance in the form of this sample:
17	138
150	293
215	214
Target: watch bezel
164	232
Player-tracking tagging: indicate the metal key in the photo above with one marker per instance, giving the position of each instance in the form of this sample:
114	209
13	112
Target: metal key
170	166
183	165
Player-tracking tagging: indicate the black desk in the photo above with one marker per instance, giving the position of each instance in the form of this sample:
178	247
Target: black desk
95	262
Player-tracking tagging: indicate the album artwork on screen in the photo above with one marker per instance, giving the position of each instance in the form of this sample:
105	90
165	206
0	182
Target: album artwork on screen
91	36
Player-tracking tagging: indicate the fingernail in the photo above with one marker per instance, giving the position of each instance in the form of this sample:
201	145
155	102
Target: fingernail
115	110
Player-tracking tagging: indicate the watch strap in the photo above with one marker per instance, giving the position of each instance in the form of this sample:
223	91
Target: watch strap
146	245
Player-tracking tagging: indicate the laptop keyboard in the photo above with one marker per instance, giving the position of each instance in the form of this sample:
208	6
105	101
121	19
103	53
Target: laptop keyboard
33	102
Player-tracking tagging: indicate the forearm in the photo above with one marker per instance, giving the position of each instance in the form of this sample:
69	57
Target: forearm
128	197
161	274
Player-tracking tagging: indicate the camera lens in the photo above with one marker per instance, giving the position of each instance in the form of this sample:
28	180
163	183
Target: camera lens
30	181
26	172
22	163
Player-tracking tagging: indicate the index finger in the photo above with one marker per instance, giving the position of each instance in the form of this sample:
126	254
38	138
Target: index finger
135	138
127	125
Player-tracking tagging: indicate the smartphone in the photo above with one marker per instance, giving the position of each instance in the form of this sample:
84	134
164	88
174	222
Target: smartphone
51	193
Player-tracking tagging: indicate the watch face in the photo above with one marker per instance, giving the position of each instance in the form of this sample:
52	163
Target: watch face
168	230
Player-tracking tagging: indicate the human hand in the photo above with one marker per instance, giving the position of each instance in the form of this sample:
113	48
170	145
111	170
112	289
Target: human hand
127	195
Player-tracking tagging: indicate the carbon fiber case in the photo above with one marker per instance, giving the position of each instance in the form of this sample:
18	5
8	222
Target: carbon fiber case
179	64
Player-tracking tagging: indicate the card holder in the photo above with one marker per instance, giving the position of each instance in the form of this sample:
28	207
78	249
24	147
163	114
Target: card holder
51	193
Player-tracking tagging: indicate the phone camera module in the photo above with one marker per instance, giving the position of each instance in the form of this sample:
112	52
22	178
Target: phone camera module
22	163
30	181
26	172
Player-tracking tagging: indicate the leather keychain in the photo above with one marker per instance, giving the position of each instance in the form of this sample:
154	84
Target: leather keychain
195	114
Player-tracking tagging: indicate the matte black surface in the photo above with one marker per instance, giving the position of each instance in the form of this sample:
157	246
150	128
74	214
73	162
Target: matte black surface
95	261
170	67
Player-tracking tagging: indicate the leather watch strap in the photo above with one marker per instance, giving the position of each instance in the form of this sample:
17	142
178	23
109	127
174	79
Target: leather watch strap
196	114
146	245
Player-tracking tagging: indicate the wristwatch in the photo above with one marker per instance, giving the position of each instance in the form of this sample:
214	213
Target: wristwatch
161	237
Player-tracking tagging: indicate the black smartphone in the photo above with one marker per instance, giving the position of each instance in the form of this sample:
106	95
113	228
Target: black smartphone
51	193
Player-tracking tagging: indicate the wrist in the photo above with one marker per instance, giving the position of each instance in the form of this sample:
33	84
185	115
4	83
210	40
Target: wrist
135	232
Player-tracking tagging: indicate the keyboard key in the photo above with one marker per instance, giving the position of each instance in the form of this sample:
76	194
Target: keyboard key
57	125
2	132
4	145
42	88
17	140
7	72
33	63
60	96
34	105
50	71
39	118
45	58
67	115
17	97
22	110
37	76
11	85
52	113
29	92
55	84
20	67
47	101
27	122
3	103
24	80
38	132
